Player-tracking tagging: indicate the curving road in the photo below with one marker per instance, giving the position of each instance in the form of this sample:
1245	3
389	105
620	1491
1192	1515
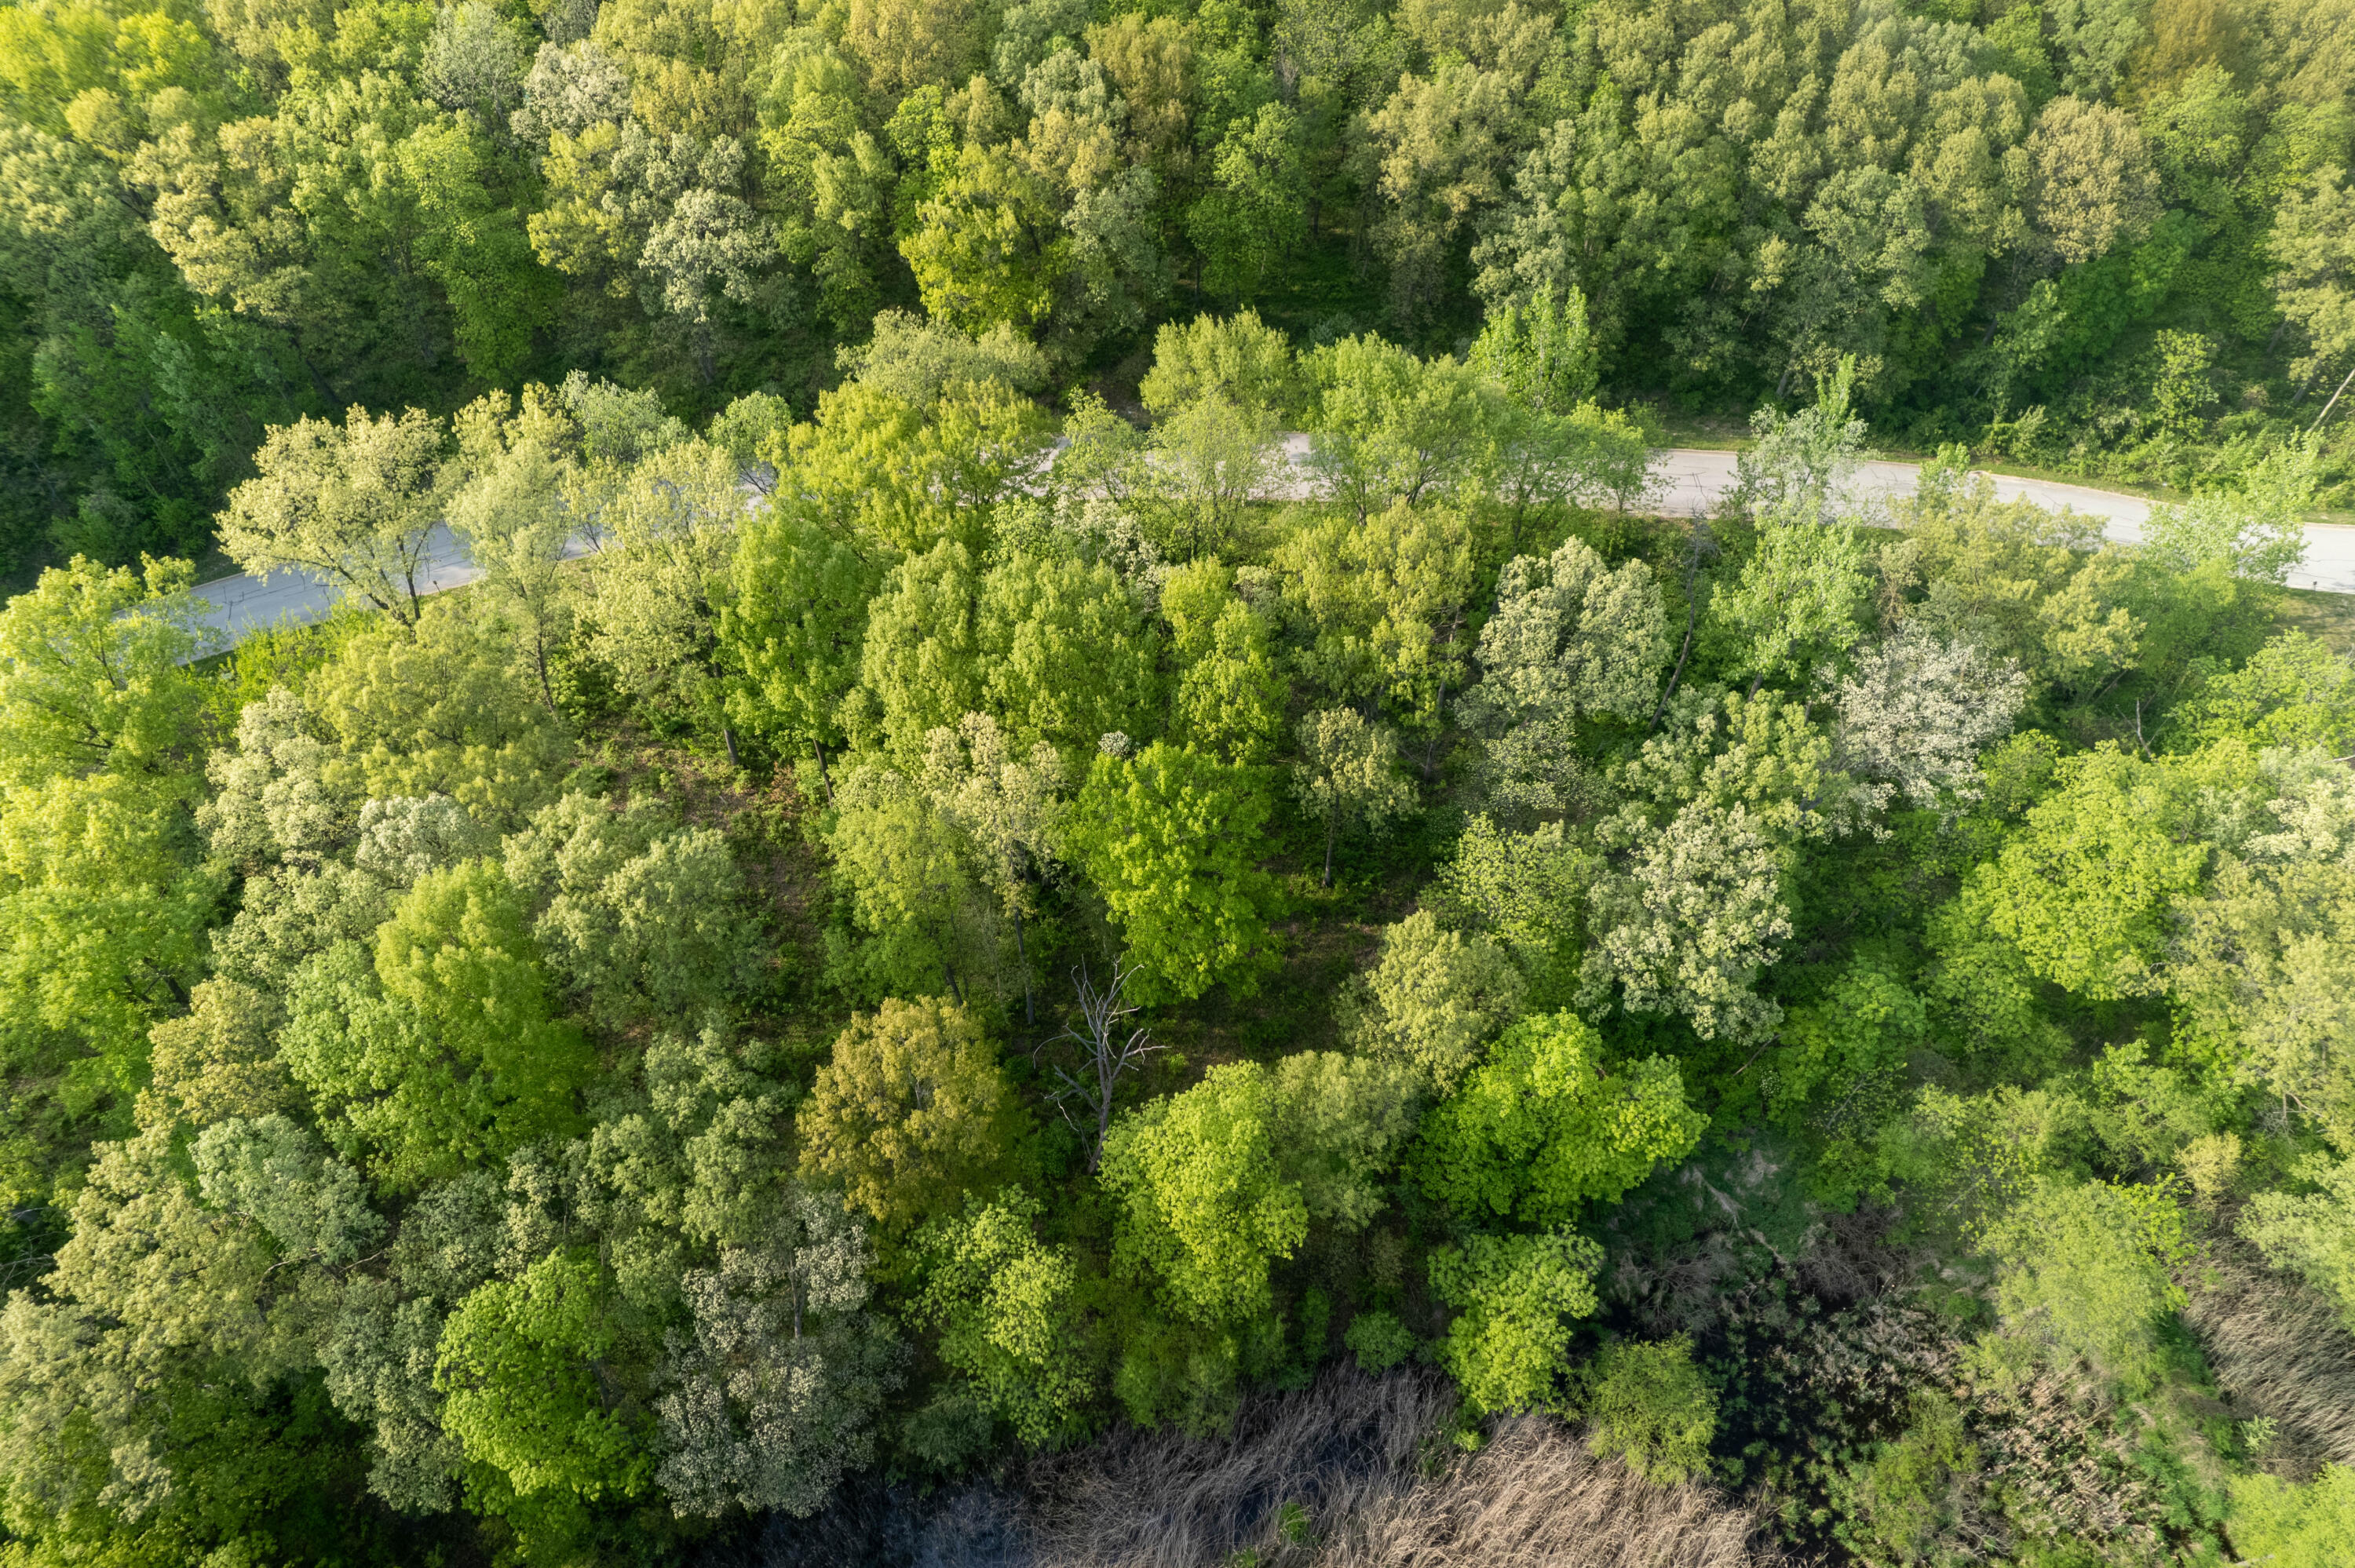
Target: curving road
1688	481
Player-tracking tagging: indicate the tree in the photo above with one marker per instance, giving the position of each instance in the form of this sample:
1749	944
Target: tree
2084	891
2298	1527
1390	428
517	1370
1170	839
914	884
1543	356
1211	459
911	1110
1527	890
1106	1056
1205	1208
1348	775
1919	711
511	514
1389	598
912	43
1239	359
2082	1272
1801	466
1065	653
1005	1305
1010	812
1648	1404
2257	534
1229	698
1542	1128
2292	691
439	1049
1796	600
921	662
903	476
2311	1234
1434	1000
437	710
2090	183
772	1395
795	623
1570	638
2315	285
636	912
354	503
1687	927
1251	219
93	673
1506	1345
656	588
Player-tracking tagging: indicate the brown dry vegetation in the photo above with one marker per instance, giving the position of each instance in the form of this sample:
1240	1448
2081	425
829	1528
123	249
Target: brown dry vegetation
1352	1472
2279	1351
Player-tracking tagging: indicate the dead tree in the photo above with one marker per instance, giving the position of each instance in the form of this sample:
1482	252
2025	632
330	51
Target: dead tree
1107	1053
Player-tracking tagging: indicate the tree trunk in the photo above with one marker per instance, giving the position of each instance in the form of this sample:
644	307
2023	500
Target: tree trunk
1332	830
955	989
825	780
1692	612
2332	404
728	739
1022	955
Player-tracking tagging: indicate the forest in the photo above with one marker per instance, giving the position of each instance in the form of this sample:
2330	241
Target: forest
2105	237
1087	883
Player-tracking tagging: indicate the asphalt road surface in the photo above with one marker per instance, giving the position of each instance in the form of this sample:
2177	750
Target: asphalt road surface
1688	481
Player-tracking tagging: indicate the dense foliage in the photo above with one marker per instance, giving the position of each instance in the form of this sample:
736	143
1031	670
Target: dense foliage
878	944
2103	235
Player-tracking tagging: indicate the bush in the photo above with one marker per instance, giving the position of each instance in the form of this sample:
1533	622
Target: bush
1649	1405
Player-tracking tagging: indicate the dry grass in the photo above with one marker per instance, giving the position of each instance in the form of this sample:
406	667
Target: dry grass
1354	1473
2277	1346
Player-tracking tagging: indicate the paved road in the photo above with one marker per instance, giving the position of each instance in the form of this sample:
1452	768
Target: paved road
1690	482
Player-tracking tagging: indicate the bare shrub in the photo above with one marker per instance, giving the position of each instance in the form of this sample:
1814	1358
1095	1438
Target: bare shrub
2278	1348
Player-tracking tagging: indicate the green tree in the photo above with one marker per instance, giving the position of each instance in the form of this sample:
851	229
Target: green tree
640	915
438	709
1796	600
1543	356
1066	655
1433	1000
1011	811
1239	358
772	1395
1348	776
439	1049
1647	1404
518	1368
1171	839
1506	1344
657	588
794	624
354	504
1542	1128
1229	697
510	512
1005	1304
1390	428
1205	1208
2085	889
93	677
920	664
910	1110
915	888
